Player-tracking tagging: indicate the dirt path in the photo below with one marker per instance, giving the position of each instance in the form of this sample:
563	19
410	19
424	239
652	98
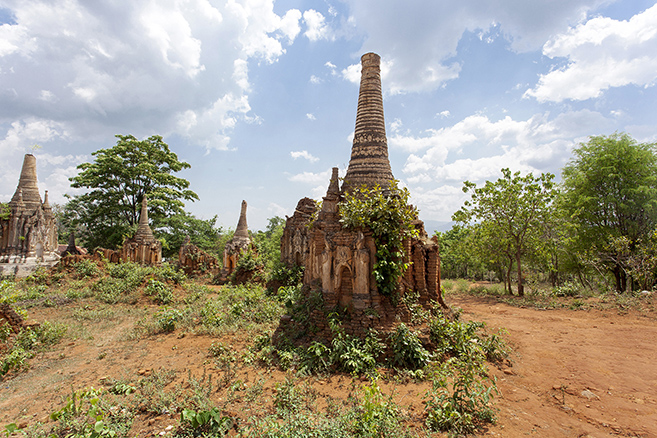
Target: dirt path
576	373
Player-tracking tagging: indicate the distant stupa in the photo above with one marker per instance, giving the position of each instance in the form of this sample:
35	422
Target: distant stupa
29	235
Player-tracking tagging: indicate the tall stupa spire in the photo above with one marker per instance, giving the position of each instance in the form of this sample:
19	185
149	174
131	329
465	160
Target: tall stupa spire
144	231
27	184
242	230
369	164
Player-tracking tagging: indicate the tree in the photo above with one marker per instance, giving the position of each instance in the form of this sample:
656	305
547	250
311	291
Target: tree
117	181
204	234
609	192
508	216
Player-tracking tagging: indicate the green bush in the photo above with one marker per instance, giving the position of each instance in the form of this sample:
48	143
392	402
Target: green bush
160	292
86	268
455	338
407	350
376	415
167	318
352	354
465	408
204	423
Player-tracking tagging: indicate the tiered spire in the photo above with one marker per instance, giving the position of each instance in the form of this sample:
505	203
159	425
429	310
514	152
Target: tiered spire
27	184
242	231
144	232
369	164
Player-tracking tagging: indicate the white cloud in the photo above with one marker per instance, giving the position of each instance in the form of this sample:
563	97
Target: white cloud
421	38
444	114
538	144
352	73
304	154
157	71
310	116
317	29
601	53
315	80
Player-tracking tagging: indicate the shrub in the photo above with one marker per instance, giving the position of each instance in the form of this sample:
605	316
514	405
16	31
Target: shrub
467	407
455	338
205	423
167	317
160	292
407	350
353	354
86	268
376	415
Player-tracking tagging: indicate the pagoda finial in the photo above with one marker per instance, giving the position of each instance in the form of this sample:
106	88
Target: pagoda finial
369	164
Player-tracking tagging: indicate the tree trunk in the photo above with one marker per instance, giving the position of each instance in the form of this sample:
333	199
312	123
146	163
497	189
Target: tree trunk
521	287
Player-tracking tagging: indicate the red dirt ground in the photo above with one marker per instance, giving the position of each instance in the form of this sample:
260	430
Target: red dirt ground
575	373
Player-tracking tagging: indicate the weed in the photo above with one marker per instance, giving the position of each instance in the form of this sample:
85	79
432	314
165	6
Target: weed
352	354
85	415
465	408
86	268
568	289
204	423
223	354
455	338
152	395
407	350
160	292
166	318
376	415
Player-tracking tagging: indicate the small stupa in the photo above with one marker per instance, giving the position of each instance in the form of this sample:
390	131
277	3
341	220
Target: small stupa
239	243
143	247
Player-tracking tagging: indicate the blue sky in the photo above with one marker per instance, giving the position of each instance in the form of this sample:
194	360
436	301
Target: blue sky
260	96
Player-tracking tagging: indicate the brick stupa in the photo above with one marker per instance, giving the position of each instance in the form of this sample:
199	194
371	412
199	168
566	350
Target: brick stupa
28	237
338	261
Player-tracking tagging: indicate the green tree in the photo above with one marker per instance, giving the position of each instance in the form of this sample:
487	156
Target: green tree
268	242
609	192
508	216
456	258
117	181
202	233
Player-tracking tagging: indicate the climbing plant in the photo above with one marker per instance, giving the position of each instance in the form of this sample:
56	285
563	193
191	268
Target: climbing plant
389	216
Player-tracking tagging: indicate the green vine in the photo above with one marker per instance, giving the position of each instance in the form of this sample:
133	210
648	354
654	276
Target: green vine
389	216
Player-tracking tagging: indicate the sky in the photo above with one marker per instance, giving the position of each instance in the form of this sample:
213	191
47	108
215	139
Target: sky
260	96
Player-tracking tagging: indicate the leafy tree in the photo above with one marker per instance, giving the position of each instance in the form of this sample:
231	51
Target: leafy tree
456	258
610	192
202	233
508	216
268	242
389	216
117	181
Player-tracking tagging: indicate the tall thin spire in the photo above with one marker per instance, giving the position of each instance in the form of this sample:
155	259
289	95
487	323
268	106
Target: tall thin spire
28	184
369	164
144	231
242	230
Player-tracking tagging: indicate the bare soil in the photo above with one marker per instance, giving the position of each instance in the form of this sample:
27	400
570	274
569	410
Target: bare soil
572	373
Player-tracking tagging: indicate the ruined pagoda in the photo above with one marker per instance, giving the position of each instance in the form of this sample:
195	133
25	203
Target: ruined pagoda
28	236
239	243
338	261
143	247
